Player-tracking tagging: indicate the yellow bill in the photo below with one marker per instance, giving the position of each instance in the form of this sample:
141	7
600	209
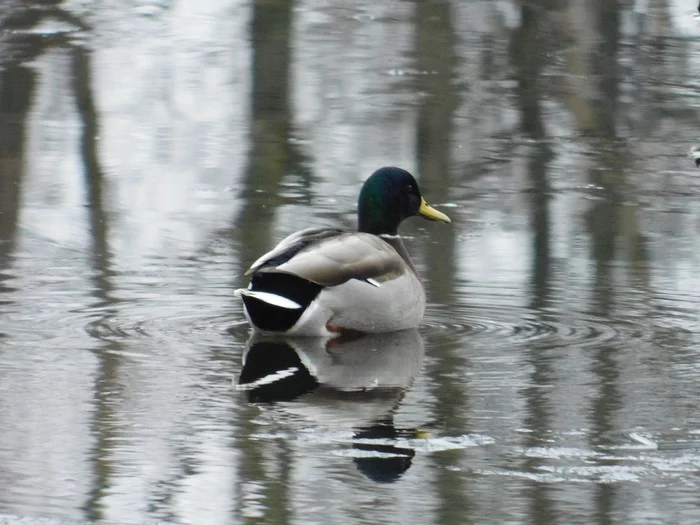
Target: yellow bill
431	213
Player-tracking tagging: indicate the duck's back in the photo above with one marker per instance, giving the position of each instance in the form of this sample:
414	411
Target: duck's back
318	281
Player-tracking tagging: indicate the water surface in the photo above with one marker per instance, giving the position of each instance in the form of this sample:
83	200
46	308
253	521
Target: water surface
150	151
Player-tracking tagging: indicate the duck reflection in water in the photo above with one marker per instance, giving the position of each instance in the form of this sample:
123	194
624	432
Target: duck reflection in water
354	382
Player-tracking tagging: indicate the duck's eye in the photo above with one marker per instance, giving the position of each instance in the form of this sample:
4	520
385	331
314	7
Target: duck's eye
410	188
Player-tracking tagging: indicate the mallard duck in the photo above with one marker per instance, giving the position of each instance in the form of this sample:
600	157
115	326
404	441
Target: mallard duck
330	281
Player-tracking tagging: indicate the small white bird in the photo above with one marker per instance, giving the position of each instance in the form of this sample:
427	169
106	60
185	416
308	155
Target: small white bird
694	154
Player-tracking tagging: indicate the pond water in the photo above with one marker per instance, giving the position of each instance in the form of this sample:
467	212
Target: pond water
151	150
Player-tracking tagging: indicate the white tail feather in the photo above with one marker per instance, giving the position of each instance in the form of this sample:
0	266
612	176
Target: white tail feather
269	298
373	282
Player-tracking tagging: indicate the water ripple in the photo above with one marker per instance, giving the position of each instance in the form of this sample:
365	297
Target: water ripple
175	322
491	314
517	326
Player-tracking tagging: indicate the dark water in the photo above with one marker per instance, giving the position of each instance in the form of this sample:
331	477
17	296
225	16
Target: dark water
150	151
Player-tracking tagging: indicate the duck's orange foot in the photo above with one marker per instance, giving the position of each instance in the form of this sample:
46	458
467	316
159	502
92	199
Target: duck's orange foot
335	329
341	334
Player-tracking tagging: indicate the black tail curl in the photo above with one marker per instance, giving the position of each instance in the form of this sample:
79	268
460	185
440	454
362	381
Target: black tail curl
273	318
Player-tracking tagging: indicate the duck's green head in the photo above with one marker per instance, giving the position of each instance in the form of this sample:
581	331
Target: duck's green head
389	196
